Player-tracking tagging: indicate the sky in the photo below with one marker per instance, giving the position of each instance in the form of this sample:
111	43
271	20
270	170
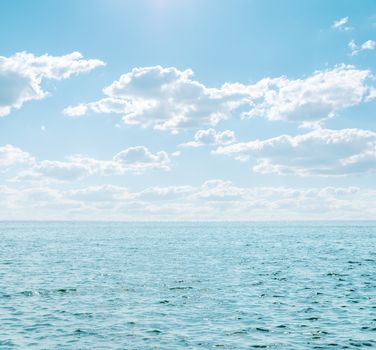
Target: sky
187	110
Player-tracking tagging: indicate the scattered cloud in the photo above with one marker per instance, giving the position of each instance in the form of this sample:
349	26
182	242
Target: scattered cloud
341	24
213	200
168	193
176	154
313	99
322	152
211	137
22	74
100	194
165	99
367	45
135	160
10	156
169	99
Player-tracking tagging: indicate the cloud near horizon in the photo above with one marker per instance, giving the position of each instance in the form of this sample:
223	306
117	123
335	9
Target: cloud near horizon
212	200
135	160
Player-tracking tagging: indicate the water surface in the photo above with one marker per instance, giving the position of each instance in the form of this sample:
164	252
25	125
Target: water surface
187	286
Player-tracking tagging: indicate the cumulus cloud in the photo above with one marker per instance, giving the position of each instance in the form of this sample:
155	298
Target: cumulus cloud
169	99
323	152
211	137
163	98
367	45
341	24
315	98
10	155
139	157
134	160
22	74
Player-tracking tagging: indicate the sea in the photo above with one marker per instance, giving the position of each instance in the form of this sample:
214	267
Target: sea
168	285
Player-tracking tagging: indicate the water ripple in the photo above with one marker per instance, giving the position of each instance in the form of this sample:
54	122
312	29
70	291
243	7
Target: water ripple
187	286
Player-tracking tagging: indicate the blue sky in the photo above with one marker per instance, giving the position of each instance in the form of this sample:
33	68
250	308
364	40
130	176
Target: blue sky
187	110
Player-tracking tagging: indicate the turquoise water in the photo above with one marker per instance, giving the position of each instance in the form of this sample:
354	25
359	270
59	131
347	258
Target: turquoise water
187	286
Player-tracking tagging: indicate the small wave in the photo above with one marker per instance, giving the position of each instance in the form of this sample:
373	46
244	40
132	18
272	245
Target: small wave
180	288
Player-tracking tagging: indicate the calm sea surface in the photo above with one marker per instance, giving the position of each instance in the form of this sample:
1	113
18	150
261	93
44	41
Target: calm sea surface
187	286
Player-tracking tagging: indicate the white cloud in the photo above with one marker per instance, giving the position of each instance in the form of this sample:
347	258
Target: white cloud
22	74
66	170
211	137
165	193
341	24
138	158
10	155
104	193
353	47
176	154
165	99
76	111
134	160
367	45
219	190
316	98
213	200
321	152
169	99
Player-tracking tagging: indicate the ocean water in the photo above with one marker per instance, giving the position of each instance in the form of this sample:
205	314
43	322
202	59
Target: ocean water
68	285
